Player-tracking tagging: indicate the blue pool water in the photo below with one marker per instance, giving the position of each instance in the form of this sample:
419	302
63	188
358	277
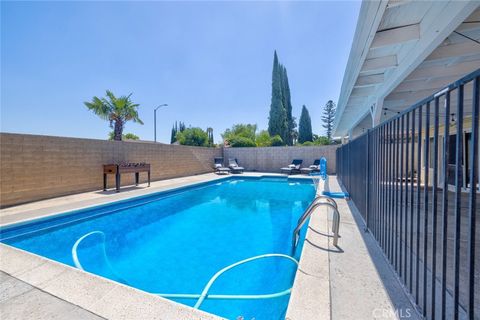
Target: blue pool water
174	242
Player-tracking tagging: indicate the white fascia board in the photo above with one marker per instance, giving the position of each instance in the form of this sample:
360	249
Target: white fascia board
369	18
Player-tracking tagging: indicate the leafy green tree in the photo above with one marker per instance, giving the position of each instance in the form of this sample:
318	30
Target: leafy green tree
263	139
192	137
115	110
322	141
277	141
210	136
328	118
239	142
128	136
305	126
277	121
240	130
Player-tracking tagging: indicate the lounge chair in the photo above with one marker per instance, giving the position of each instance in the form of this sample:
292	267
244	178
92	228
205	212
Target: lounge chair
315	167
293	168
219	168
233	165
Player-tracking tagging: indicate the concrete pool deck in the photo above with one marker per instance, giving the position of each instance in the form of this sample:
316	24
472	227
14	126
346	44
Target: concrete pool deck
353	281
349	282
45	208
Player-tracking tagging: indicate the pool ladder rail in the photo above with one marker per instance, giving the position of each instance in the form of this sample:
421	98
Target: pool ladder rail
331	203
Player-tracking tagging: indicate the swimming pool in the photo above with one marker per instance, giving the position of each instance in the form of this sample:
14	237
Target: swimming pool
173	242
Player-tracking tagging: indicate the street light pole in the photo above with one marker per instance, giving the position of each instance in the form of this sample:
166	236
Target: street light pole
155	121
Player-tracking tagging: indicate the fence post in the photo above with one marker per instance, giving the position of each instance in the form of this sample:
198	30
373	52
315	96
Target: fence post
348	165
367	183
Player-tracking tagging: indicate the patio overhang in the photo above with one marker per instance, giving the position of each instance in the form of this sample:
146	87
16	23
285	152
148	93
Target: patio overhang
404	51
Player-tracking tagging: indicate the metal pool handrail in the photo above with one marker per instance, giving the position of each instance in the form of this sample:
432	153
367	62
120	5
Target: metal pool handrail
319	197
315	204
204	295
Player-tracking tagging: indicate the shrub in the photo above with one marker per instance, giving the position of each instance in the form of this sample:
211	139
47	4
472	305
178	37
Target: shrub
263	139
239	142
193	137
240	130
131	136
127	136
321	141
277	141
308	144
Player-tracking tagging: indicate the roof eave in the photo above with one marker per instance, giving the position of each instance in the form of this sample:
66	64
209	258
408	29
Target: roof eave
369	18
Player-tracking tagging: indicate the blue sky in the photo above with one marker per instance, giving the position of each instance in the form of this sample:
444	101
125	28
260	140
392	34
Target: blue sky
210	61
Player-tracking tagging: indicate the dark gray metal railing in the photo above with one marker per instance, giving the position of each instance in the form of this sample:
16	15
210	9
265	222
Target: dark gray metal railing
414	179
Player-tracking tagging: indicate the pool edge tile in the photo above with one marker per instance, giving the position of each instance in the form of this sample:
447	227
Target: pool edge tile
115	302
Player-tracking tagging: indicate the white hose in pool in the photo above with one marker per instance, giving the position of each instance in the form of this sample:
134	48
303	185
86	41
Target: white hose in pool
204	295
233	265
77	263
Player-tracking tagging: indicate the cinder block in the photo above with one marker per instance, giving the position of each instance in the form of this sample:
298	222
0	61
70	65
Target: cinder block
39	167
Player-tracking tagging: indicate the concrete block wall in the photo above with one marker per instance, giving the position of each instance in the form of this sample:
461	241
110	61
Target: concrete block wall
34	167
271	159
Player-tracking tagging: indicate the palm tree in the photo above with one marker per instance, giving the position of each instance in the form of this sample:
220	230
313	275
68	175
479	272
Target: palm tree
116	110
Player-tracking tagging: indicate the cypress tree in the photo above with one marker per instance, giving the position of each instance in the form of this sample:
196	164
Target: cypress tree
328	118
305	126
210	136
172	136
288	137
277	121
181	126
174	133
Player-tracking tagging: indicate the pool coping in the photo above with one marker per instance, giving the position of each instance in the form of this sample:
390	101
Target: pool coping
110	299
310	298
98	295
18	217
